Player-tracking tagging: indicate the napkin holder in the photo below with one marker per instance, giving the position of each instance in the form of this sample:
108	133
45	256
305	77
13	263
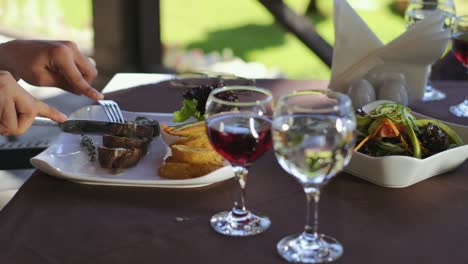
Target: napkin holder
416	77
353	61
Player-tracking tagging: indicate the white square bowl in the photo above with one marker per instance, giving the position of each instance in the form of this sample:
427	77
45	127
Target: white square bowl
403	171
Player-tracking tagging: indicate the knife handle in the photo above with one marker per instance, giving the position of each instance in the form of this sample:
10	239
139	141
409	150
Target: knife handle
42	121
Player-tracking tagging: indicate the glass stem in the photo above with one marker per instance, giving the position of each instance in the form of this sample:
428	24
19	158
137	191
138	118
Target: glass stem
428	88
312	198
239	206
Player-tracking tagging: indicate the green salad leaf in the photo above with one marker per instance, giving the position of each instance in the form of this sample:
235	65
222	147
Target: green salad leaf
188	109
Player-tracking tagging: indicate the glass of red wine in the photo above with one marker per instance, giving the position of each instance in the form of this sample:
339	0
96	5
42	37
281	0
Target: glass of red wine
239	128
460	49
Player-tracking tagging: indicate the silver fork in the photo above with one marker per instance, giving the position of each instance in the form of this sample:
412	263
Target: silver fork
112	110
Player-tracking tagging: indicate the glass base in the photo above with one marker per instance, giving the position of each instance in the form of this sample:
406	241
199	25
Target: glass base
432	94
305	248
460	110
231	224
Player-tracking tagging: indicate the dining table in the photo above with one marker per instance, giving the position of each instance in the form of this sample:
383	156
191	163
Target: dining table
52	220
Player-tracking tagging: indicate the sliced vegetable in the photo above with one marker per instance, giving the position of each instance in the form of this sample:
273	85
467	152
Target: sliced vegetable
414	141
363	121
391	148
391	129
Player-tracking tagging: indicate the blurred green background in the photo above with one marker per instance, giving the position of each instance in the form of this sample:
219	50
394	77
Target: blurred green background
249	30
244	26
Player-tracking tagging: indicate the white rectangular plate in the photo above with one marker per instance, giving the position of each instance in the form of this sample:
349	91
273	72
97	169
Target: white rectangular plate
67	159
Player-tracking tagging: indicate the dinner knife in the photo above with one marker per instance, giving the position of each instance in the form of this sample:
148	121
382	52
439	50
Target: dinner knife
77	126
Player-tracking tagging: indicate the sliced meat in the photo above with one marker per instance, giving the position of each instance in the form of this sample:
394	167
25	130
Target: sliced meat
144	121
119	158
126	144
132	130
110	141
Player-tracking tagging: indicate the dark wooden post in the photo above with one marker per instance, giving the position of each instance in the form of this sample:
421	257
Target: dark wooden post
126	36
149	37
301	27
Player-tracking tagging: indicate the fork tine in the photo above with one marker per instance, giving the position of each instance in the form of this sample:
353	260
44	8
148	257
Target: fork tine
114	117
107	111
112	111
118	112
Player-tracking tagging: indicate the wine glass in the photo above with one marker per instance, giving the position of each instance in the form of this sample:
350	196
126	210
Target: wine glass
313	138
460	49
418	10
239	128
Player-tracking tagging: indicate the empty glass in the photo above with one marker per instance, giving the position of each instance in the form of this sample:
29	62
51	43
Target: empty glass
420	9
313	138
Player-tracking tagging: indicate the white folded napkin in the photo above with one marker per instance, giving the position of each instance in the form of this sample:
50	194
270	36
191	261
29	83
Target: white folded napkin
359	54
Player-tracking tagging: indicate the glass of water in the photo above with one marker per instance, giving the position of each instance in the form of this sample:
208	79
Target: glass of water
313	138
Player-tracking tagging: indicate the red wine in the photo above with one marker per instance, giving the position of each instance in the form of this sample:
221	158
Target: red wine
460	47
239	137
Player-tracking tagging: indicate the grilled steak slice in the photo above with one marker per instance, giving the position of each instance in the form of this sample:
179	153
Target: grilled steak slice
119	158
127	143
142	120
110	141
132	130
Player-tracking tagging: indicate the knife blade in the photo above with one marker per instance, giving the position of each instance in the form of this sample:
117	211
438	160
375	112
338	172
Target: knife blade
77	126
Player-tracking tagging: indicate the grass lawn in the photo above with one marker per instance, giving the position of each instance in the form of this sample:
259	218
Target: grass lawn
250	31
75	13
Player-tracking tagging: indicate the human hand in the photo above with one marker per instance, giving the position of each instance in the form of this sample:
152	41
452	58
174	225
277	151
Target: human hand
50	63
18	108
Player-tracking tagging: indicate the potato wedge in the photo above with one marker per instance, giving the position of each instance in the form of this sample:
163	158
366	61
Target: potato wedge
177	170
196	155
192	154
189	129
199	140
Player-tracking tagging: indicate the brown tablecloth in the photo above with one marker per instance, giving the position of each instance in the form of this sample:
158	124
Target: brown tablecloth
56	221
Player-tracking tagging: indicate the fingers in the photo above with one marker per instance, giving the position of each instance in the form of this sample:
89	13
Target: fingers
75	80
17	113
26	108
76	69
53	63
84	64
46	110
9	121
18	108
9	89
24	120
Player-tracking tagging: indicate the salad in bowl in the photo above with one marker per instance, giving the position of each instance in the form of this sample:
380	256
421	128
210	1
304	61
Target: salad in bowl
397	147
392	129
